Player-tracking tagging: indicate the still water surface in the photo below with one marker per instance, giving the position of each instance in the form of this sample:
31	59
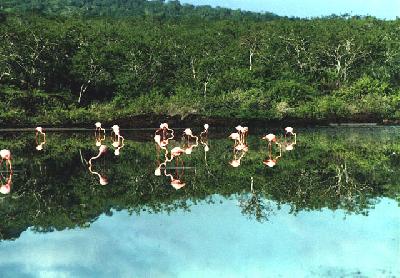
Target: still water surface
328	208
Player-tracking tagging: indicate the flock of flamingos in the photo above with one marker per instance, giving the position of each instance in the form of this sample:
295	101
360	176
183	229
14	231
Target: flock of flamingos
162	138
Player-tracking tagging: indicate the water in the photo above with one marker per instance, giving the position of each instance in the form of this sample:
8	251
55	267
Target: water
328	208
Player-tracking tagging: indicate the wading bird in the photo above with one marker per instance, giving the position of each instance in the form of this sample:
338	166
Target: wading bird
270	161
289	133
99	133
5	188
187	133
102	179
163	135
40	138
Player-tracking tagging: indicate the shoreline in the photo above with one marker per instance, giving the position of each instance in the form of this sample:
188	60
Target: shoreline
151	122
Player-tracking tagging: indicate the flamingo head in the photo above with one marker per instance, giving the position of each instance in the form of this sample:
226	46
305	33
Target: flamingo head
115	144
103	180
289	147
239	128
5	189
98	125
39	147
188	132
235	163
115	128
270	162
39	129
164	143
116	152
157	171
270	137
188	150
206	148
164	125
289	129
98	143
234	136
240	147
102	148
177	184
177	151
5	154
206	126
157	139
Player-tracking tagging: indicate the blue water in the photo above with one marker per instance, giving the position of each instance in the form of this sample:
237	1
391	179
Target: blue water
215	240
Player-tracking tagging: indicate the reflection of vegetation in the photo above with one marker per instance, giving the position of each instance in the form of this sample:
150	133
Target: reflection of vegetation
334	169
254	204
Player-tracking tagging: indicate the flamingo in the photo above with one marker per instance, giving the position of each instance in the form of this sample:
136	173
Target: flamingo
102	179
270	137
235	136
39	133
99	133
204	133
189	134
6	155
120	145
177	183
289	131
160	136
271	162
177	151
244	133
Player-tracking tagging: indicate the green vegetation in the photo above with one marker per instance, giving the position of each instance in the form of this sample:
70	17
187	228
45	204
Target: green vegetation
73	62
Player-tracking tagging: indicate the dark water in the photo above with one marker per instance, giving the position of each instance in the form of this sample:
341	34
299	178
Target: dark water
328	208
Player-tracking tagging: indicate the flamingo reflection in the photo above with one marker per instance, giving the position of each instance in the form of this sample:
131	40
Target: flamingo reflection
40	138
176	178
100	134
163	135
237	157
240	138
5	188
189	145
102	179
289	145
271	161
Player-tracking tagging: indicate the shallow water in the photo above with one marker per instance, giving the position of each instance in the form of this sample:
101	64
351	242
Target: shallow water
328	208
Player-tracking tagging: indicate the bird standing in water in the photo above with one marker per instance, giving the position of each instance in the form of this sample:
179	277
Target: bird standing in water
6	156
40	138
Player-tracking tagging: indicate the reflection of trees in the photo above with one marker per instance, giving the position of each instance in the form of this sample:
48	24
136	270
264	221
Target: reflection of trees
349	174
254	204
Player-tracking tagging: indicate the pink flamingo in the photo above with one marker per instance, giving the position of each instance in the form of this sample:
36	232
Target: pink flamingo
119	146
240	138
99	133
235	162
6	155
235	136
102	179
161	135
38	138
289	146
188	135
176	182
271	138
204	133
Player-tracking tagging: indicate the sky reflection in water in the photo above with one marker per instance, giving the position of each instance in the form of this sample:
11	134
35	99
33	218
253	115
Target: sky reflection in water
215	240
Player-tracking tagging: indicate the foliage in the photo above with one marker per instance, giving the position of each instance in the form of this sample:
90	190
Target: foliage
62	62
